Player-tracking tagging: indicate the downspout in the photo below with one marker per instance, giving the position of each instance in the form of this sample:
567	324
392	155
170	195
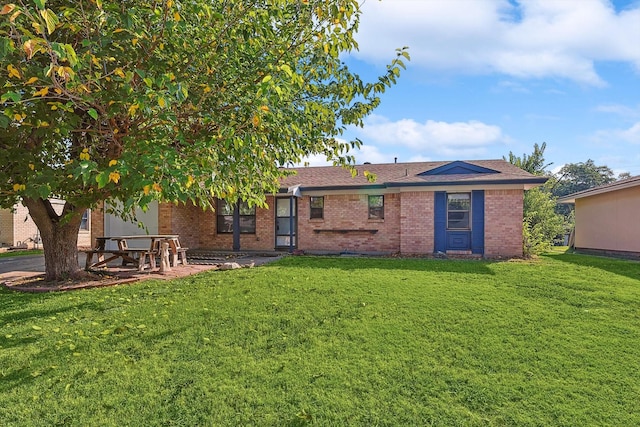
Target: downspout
295	192
236	227
291	224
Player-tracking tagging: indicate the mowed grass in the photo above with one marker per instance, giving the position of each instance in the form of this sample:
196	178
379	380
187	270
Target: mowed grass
333	342
20	252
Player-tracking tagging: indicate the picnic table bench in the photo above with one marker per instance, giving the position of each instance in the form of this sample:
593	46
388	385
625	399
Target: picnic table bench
144	257
137	257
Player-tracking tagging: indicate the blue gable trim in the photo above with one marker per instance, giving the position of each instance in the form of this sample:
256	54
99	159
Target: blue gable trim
457	168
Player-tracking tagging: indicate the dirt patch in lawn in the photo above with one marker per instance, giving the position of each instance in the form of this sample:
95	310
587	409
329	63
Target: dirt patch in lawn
95	279
119	275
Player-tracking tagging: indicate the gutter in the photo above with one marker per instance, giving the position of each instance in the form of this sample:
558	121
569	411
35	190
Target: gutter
416	184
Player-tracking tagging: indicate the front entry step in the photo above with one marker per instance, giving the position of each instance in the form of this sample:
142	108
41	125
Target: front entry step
463	255
456	252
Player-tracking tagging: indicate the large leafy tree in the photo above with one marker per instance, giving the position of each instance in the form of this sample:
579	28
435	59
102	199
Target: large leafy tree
540	222
574	177
181	101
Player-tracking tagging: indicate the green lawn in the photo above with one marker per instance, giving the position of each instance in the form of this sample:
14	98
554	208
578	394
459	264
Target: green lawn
20	252
333	342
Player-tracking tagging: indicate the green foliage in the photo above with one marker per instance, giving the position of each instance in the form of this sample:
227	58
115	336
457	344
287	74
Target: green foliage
575	177
333	341
534	163
176	101
179	101
541	225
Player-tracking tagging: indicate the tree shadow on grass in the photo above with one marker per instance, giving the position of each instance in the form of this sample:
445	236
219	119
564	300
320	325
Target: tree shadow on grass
430	265
131	343
19	314
621	267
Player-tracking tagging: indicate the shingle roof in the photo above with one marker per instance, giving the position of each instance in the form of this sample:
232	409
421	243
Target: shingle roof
409	174
605	188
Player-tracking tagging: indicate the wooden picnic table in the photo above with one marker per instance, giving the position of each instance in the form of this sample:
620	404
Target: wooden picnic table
138	255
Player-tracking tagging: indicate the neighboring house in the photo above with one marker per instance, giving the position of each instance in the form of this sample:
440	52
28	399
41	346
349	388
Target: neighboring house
18	230
459	207
607	218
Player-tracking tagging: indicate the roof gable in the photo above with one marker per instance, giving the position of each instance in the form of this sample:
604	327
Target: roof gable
458	168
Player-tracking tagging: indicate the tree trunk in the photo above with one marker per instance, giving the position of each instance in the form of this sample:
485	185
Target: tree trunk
59	233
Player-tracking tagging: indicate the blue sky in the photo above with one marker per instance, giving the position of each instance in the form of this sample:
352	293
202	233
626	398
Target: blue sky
491	76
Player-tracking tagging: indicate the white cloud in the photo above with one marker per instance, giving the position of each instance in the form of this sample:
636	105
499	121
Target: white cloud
612	136
371	153
366	153
315	160
632	134
419	158
531	39
620	110
457	139
511	86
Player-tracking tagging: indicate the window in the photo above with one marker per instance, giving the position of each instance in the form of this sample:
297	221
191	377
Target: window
458	209
84	223
225	218
376	207
317	207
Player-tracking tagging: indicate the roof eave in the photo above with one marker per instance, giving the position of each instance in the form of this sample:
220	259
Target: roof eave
566	200
533	182
335	187
571	198
527	182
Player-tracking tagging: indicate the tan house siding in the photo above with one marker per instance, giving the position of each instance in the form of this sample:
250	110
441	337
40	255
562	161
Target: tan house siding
18	229
503	223
84	238
25	230
344	216
416	222
608	221
6	228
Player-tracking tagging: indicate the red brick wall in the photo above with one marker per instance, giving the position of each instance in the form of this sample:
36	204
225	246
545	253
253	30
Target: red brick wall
350	212
197	228
407	227
183	220
416	222
503	223
97	222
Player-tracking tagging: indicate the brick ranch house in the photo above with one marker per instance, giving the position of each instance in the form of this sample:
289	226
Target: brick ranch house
459	207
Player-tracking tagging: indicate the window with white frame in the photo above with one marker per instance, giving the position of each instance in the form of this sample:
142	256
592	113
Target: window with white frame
85	223
224	214
458	211
376	207
316	210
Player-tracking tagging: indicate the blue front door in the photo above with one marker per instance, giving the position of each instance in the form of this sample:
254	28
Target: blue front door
459	222
458	240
